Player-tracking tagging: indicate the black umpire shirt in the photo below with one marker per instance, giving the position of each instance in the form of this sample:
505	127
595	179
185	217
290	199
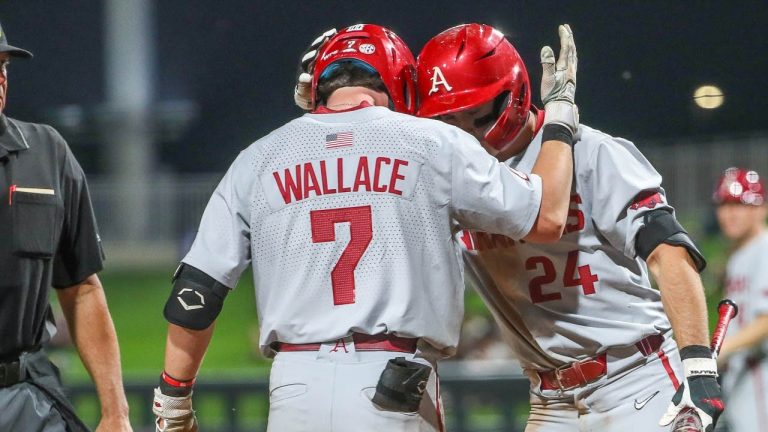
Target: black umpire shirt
48	234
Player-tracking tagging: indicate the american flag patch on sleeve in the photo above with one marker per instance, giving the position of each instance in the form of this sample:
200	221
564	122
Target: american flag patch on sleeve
340	139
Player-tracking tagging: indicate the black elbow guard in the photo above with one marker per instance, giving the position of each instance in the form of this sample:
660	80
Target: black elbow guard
196	299
662	227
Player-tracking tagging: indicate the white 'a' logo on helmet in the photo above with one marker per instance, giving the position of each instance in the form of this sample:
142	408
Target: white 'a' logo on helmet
438	79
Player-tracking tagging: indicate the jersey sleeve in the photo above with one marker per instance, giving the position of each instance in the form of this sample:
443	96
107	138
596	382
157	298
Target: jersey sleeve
625	186
488	195
79	253
222	246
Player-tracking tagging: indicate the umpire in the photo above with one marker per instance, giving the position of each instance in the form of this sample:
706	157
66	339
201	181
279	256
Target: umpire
48	238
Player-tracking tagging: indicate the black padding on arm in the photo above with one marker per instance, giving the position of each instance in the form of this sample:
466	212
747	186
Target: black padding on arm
196	299
662	227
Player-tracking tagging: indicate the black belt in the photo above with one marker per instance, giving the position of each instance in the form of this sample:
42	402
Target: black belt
10	373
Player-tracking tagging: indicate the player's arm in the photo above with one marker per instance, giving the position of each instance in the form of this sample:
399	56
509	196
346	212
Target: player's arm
555	167
191	310
751	335
675	262
219	255
184	351
683	297
90	324
555	161
682	293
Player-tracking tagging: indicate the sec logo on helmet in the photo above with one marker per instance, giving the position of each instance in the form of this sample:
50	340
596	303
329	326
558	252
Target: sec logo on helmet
367	48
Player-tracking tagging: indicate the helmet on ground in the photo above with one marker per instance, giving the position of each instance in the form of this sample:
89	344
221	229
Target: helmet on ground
737	185
377	49
469	65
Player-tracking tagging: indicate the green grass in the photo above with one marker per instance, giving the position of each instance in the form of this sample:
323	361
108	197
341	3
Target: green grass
136	301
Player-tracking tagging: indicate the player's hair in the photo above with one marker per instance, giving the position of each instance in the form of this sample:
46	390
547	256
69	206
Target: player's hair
347	74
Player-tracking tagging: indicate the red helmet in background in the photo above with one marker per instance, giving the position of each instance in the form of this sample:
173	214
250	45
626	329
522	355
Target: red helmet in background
376	48
470	65
740	186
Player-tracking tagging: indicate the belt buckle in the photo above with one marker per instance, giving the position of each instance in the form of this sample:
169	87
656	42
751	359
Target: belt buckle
560	382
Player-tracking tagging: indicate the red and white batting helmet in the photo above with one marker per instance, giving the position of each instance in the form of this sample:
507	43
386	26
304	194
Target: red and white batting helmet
737	185
470	65
377	48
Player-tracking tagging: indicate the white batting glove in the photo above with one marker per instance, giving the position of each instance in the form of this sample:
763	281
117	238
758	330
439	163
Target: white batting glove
700	393
174	414
302	94
558	82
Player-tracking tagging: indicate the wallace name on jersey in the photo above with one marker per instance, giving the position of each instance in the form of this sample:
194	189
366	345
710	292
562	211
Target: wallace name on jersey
347	174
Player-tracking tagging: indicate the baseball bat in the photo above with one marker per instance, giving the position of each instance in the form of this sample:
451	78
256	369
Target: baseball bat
687	420
726	311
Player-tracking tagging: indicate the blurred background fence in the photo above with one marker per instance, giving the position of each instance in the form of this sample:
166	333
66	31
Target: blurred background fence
174	204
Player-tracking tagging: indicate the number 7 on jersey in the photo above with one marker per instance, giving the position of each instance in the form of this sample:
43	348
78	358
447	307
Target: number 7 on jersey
360	234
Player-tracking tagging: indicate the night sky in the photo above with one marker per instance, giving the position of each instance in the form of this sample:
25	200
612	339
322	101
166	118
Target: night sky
639	62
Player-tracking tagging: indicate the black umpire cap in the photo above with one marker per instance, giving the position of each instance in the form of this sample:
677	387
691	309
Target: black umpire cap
12	50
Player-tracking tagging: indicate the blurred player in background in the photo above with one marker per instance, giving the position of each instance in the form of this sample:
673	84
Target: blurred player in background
347	216
741	212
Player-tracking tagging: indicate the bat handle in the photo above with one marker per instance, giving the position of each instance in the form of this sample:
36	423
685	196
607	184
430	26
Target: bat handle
726	310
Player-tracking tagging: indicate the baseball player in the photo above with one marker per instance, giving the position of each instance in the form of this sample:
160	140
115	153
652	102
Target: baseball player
741	212
592	335
347	216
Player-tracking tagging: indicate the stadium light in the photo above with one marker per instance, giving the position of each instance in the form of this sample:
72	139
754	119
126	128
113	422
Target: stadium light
708	97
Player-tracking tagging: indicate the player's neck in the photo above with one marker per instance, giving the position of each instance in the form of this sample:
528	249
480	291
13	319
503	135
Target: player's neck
750	236
350	97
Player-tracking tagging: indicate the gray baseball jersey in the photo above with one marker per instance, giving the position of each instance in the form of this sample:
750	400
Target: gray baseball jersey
348	218
745	382
557	303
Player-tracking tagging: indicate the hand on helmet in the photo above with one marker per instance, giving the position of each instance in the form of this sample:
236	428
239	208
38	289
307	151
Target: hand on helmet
302	94
558	82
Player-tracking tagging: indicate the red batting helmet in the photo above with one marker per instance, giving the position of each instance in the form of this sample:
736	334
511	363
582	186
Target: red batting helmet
377	48
740	186
470	65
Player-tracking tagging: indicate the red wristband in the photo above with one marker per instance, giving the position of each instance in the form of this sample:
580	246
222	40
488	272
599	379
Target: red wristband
176	383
